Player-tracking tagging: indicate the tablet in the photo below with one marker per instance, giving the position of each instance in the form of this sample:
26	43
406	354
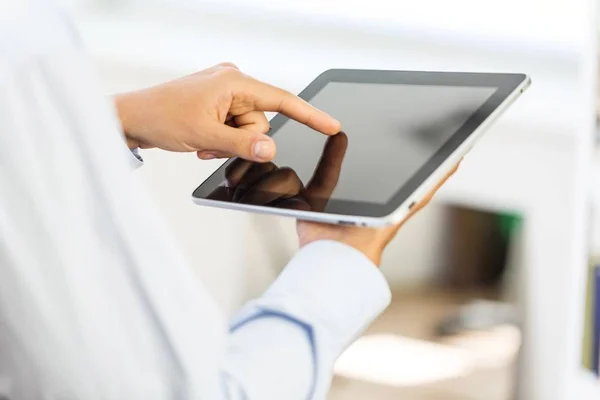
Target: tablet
402	133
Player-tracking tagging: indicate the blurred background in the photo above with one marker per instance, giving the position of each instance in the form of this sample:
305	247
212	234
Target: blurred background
490	281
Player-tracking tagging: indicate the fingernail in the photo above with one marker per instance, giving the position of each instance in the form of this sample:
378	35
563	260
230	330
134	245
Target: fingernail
208	156
265	150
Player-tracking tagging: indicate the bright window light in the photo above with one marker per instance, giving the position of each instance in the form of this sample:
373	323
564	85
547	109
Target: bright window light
493	348
399	361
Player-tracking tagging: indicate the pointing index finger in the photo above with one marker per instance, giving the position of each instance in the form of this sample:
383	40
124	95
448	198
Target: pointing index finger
327	173
271	98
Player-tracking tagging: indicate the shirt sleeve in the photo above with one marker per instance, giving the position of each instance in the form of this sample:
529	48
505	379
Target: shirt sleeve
136	159
327	295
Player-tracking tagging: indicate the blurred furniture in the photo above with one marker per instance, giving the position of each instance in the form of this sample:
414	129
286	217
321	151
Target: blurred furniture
415	316
478	249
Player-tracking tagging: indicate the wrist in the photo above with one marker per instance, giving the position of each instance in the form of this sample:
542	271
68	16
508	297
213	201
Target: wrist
373	251
125	109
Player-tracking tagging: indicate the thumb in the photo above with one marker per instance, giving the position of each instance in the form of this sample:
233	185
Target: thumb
244	143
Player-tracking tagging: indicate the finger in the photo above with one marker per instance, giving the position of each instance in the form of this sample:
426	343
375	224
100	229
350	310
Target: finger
236	170
211	154
282	183
327	172
255	121
427	199
244	143
223	65
270	98
227	65
254	174
293	203
217	68
435	189
222	193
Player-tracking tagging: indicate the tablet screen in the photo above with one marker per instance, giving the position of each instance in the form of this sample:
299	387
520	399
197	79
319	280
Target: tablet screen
392	131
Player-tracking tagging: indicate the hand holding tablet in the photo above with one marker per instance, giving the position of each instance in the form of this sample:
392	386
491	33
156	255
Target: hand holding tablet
265	184
370	241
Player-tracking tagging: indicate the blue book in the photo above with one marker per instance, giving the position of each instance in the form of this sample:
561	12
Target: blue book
596	315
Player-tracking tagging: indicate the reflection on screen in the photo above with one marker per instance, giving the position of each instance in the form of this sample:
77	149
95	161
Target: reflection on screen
392	131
